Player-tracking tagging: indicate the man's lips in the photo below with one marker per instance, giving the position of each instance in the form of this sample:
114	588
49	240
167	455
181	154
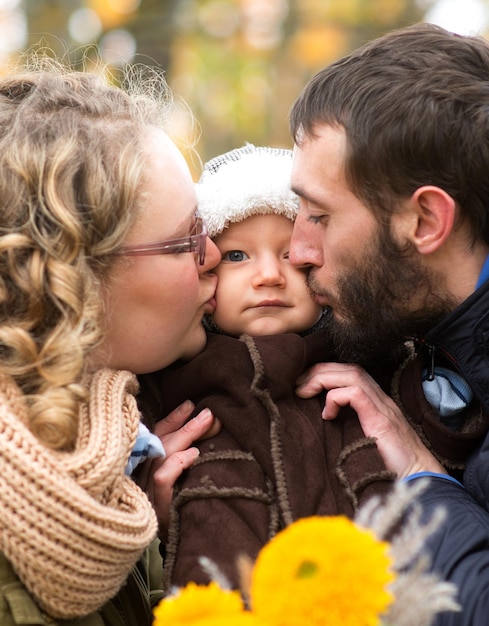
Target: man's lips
320	299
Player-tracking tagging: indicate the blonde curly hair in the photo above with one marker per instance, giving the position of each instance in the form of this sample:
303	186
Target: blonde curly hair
71	168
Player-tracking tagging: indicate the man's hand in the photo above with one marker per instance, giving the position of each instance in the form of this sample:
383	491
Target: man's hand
380	417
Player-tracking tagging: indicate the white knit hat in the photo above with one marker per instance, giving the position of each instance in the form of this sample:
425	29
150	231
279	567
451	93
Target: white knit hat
244	182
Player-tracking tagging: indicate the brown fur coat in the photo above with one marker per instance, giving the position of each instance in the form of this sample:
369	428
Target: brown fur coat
275	459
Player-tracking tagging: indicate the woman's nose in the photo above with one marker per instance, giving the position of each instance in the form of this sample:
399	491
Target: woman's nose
212	256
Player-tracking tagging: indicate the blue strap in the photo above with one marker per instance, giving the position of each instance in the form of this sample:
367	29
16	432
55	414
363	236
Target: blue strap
432	475
484	275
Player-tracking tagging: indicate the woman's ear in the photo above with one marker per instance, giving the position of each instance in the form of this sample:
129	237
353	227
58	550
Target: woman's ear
428	219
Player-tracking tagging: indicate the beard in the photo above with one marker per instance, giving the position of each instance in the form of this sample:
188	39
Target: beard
389	298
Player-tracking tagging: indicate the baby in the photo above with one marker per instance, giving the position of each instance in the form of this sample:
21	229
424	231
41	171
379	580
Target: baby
245	199
275	459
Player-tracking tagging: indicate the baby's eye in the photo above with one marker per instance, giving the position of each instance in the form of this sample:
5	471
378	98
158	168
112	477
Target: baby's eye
234	256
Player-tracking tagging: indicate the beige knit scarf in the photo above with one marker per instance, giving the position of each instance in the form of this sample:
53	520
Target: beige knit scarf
72	524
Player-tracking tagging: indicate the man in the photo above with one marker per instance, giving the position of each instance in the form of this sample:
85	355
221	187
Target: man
391	161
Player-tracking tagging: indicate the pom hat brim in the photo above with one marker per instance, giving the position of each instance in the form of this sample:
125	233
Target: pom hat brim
245	182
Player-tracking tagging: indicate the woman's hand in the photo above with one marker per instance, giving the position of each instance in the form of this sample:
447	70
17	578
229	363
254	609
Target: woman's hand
401	448
177	436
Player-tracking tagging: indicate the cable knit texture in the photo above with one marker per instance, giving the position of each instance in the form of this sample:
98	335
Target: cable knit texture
72	524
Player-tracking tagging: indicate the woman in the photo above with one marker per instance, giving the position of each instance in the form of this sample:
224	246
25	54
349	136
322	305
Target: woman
89	178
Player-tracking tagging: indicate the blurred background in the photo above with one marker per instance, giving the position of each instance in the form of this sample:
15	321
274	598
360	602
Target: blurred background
237	64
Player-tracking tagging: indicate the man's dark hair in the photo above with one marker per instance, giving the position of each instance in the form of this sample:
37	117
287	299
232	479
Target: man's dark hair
415	108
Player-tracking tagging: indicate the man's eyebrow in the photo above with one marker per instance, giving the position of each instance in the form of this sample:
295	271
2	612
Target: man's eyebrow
303	194
300	192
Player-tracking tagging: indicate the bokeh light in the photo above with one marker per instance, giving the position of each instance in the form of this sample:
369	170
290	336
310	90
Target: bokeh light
84	25
118	47
465	17
239	64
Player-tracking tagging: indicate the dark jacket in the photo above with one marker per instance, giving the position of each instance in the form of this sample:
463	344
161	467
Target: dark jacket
460	549
275	459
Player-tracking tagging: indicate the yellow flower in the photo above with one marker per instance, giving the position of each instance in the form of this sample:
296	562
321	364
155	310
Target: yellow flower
199	605
322	571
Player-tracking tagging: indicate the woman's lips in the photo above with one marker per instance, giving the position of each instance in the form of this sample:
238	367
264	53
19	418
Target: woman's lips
210	306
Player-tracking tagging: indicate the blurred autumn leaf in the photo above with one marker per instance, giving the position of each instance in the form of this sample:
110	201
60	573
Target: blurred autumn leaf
238	64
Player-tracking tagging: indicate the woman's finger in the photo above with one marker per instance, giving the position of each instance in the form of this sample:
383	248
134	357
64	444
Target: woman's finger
186	435
163	475
174	420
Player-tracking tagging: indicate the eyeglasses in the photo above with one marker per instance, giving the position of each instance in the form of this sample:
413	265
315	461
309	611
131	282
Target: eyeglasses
194	242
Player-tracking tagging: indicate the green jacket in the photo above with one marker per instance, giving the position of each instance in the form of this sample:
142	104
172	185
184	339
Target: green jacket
131	607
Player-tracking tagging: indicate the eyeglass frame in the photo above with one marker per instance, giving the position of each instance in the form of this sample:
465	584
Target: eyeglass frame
194	242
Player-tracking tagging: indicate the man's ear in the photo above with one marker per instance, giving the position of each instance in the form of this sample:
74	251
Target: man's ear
429	219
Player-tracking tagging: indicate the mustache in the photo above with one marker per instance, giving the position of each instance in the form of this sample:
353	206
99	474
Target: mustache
313	286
